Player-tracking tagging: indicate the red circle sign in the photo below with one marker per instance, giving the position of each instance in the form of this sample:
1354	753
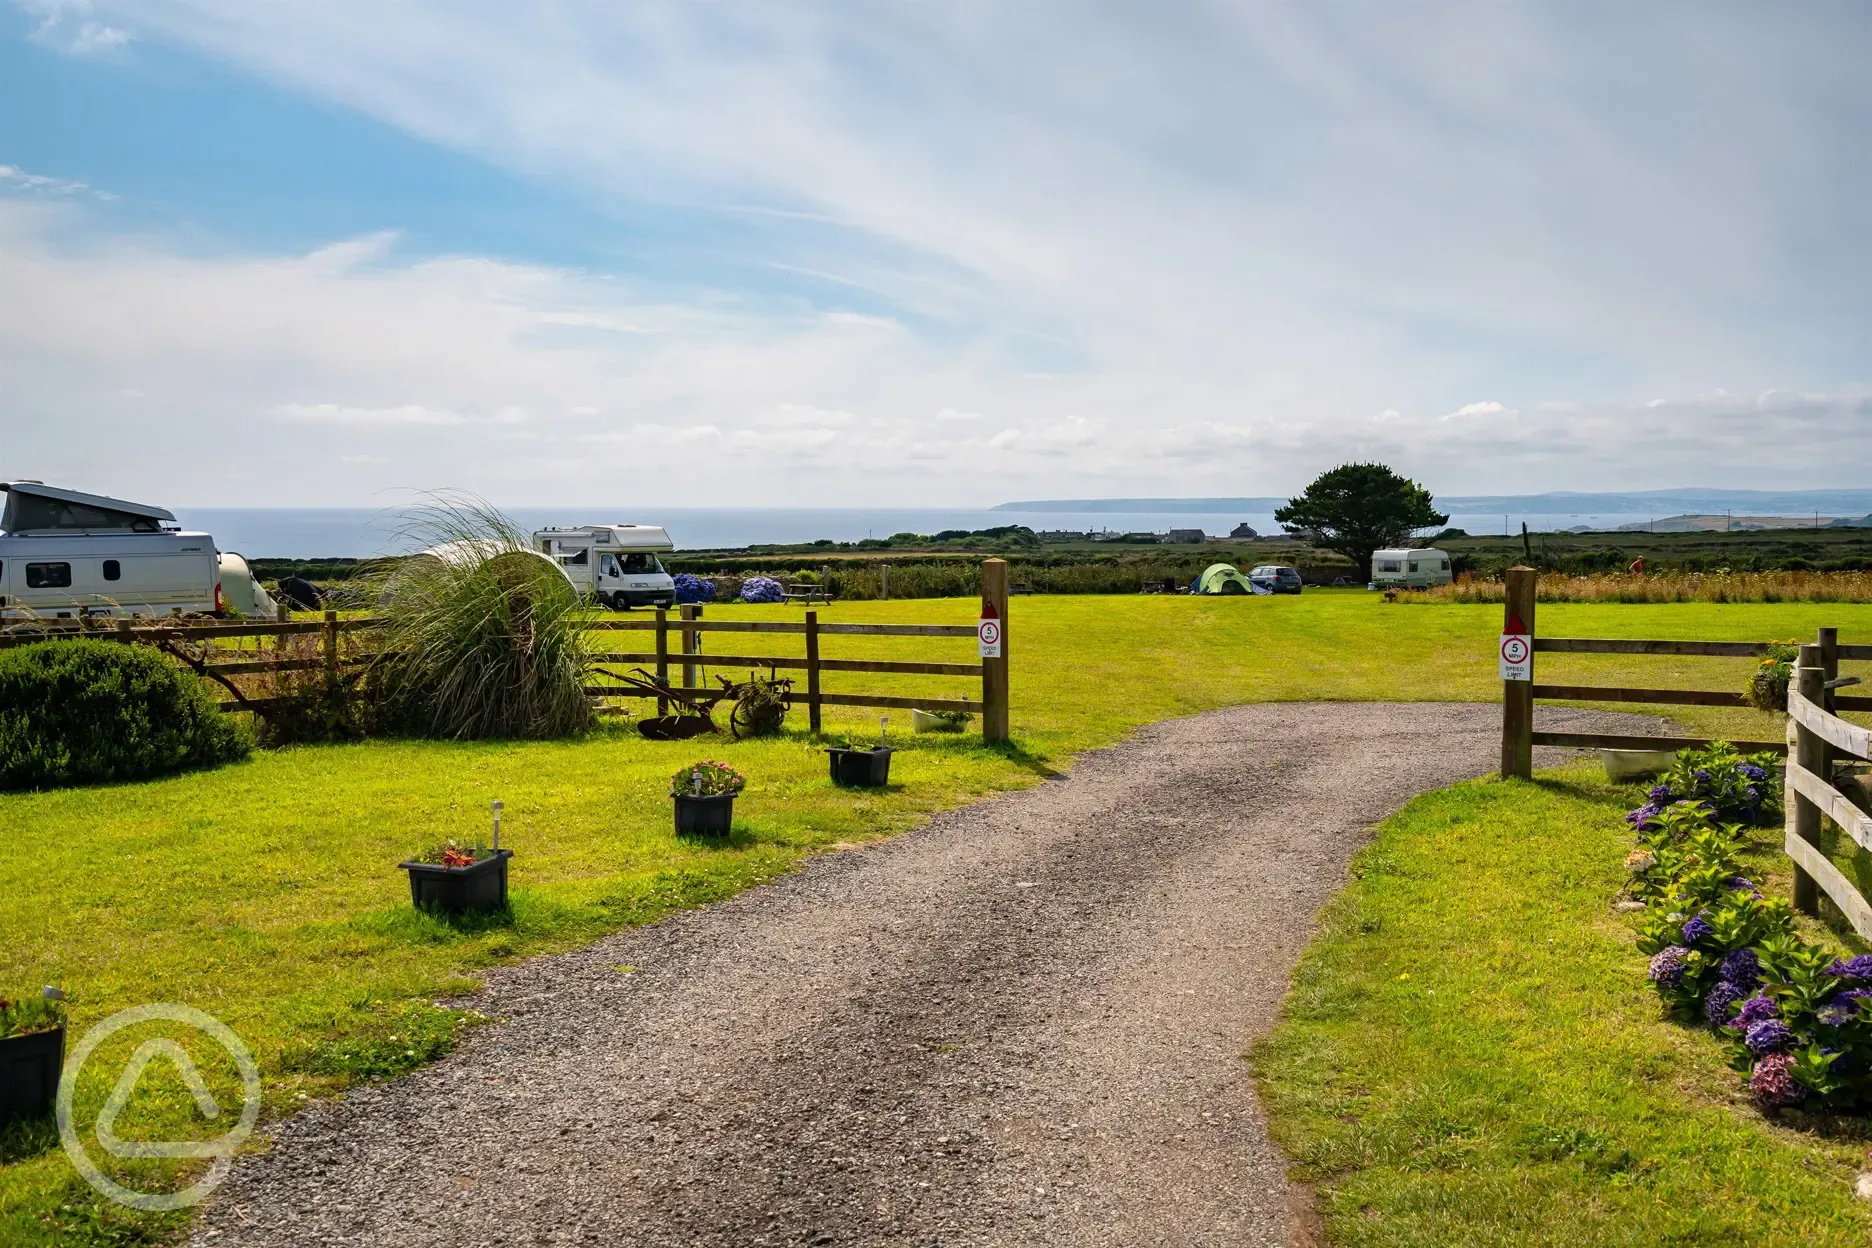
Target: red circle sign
990	631
1514	650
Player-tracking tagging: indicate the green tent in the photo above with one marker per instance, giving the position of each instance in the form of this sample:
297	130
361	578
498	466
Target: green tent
1222	578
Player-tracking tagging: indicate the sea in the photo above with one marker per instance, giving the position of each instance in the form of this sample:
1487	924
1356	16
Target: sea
361	532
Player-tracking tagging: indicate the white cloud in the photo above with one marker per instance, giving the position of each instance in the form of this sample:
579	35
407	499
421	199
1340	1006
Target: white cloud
69	26
336	414
1488	408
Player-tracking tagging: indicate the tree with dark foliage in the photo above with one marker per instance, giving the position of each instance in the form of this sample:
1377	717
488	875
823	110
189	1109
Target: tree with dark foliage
1356	509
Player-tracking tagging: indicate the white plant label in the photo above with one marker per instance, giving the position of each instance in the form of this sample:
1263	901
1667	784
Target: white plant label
988	637
1517	656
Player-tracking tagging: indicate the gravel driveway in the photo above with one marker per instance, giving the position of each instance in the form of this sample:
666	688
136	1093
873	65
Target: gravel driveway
1021	1024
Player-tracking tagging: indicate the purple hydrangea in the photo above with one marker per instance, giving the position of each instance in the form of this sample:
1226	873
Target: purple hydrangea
1721	997
1838	1011
1768	1036
1854	968
762	589
1740	883
690	588
1696	929
1756	1010
1667	968
1772	1082
1740	967
1642	817
1752	772
1659	795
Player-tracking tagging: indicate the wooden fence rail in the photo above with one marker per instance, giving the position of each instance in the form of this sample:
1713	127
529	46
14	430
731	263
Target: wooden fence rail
1814	733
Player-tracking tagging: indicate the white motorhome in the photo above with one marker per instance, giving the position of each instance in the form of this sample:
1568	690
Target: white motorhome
1410	569
614	564
63	554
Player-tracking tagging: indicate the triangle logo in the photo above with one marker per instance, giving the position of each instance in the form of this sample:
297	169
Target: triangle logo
191	1077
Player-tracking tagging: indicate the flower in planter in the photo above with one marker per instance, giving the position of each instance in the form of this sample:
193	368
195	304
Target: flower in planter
707	779
1772	1082
1740	967
1721	998
1768	1036
1667	968
450	853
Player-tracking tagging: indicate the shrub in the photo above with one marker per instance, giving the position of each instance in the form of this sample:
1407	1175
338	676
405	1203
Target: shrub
1734	787
483	637
693	588
762	589
85	712
707	779
1768	685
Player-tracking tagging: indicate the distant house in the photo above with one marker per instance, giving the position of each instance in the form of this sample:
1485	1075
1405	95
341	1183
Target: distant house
1244	530
1190	536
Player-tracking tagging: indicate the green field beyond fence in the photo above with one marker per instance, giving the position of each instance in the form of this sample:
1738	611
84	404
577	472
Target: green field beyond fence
266	892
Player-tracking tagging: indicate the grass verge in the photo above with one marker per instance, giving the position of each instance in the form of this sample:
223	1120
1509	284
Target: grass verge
1471	1054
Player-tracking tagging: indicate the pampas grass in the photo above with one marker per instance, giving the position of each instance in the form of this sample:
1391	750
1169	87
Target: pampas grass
482	636
1666	587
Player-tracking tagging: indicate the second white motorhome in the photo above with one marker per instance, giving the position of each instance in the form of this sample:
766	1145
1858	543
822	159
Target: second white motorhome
64	554
613	564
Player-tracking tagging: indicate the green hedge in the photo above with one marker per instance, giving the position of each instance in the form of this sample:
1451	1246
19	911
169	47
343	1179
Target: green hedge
81	712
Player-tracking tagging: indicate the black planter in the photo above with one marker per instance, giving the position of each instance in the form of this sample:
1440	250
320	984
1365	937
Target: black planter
862	767
29	1074
475	889
704	816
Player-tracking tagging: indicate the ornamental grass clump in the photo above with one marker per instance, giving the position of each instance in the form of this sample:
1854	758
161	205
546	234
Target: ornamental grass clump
482	637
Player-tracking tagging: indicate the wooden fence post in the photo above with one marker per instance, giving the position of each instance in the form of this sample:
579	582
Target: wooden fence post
662	653
1803	817
884	581
1517	727
331	644
812	671
688	610
995	671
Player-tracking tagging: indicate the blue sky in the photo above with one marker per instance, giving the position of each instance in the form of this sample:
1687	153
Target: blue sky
872	252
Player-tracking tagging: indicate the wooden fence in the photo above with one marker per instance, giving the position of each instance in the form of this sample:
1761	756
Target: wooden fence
691	625
1519	736
1815	734
180	638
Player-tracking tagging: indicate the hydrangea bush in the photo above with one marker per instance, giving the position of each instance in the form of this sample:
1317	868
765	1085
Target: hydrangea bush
1734	787
690	588
1792	1013
762	589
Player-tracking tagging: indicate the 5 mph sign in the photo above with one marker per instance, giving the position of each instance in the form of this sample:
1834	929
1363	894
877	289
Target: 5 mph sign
988	634
1517	655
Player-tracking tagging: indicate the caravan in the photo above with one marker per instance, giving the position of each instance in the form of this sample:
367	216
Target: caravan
615	565
65	554
1410	569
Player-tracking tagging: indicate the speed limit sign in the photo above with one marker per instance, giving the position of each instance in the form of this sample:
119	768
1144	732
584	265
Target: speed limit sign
988	635
1517	656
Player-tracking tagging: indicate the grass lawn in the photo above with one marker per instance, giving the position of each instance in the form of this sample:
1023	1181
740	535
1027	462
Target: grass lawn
266	894
1472	1055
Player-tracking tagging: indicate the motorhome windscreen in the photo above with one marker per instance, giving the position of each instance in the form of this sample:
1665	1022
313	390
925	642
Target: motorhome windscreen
34	511
638	563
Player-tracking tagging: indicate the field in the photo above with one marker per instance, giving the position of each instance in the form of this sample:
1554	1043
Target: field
266	893
1520	1086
